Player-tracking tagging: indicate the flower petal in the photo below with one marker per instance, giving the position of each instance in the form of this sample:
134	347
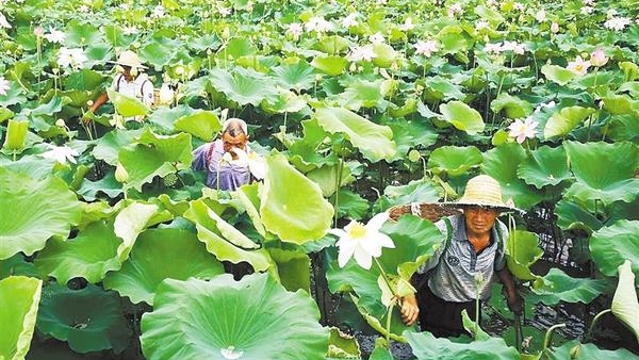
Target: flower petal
363	258
376	222
345	253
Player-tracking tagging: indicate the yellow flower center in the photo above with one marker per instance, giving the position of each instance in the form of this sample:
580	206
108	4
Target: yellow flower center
357	231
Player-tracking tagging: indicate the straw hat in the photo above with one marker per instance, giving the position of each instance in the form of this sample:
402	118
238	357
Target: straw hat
483	191
130	59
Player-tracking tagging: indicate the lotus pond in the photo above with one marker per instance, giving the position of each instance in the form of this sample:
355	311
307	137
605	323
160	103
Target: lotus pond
111	247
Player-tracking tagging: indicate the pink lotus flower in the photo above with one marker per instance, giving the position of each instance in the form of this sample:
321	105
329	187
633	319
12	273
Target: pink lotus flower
522	130
426	48
598	58
4	86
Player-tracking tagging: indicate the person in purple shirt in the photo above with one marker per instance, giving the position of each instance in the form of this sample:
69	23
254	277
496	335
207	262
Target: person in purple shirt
227	159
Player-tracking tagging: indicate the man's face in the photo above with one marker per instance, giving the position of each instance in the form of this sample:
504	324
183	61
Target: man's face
479	220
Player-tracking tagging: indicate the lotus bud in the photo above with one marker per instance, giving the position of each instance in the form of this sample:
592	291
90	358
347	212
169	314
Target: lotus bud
121	175
574	352
353	67
554	27
479	278
60	123
89	102
166	94
598	58
16	135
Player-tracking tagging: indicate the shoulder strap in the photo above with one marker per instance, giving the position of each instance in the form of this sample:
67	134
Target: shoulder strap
117	83
209	154
449	232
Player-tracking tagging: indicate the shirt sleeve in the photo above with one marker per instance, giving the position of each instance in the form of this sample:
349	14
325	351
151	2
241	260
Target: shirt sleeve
199	157
500	255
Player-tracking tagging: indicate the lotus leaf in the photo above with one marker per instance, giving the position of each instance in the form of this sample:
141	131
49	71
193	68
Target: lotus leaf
613	182
571	215
610	246
462	117
557	74
331	65
32	211
558	286
16	135
523	252
299	75
161	254
342	346
19	296
546	166
292	217
127	106
91	254
417	191
426	346
625	305
254	318
373	140
293	267
362	93
516	108
243	86
575	350
89	319
326	178
501	163
454	161
155	155
563	122
109	145
130	222
203	124
351	205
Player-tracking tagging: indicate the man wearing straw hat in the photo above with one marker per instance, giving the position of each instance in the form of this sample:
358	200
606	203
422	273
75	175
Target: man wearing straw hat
463	269
129	81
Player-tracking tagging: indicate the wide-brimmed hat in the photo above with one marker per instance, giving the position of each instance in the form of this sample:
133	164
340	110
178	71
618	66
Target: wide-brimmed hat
484	191
130	59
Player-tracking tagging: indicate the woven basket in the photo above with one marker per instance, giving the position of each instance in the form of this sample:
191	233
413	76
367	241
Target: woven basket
429	211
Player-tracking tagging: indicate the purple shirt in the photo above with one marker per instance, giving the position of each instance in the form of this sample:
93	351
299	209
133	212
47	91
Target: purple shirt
232	175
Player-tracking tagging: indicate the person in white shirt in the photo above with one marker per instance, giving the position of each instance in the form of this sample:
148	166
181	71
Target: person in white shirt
129	81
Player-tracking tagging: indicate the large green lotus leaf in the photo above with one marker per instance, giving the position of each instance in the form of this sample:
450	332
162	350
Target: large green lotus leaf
557	74
574	350
409	134
385	55
426	346
516	108
89	319
439	88
610	246
362	93
331	65
208	233
18	265
563	122
332	45
91	254
523	251
254	318
292	206
381	352
545	166
620	104
16	135
235	48
161	254
19	296
132	220
298	75
571	215
294	268
351	205
374	141
108	185
623	128
326	178
454	160
462	117
32	211
417	191
203	124
604	171
243	86
213	221
248	195
501	163
108	146
625	305
557	286
127	106
155	155
285	102
79	34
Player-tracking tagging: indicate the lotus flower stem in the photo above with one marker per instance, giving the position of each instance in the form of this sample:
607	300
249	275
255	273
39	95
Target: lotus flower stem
548	336
588	335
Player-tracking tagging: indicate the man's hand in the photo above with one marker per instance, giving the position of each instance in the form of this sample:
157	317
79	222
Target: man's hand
515	303
409	310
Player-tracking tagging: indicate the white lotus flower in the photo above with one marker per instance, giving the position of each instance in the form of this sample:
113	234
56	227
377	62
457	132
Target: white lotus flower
4	85
408	25
166	94
579	66
617	23
55	36
364	242
521	130
295	30
376	38
540	16
71	57
364	53
350	20
493	48
317	23
554	27
61	154
3	22
255	163
426	48
625	305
